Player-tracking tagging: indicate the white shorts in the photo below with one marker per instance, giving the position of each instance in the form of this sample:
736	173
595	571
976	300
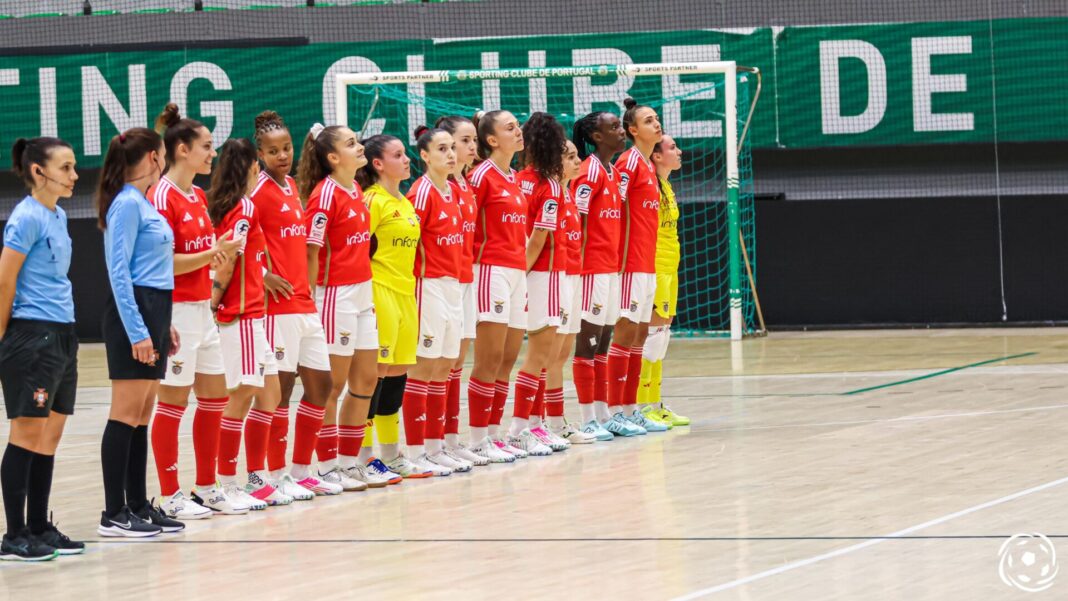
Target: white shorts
199	351
348	316
298	339
470	311
501	295
543	299
637	294
441	317
246	354
570	304
600	298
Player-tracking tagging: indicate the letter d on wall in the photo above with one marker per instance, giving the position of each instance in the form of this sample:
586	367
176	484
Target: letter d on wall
831	53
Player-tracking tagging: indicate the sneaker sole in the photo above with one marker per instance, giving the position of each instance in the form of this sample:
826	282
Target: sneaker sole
418	476
377	484
120	533
171	529
13	557
187	517
70	551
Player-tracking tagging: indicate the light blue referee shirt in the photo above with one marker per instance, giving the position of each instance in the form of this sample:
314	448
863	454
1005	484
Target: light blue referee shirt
42	289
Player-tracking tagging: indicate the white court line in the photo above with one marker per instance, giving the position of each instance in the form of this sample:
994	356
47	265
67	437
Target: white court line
868	543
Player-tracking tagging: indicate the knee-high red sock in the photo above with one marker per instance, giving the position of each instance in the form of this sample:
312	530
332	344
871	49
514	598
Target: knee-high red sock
526	389
306	431
327	443
257	435
278	442
435	411
618	368
452	402
165	445
538	410
634	374
584	375
413	405
600	378
206	422
229	445
500	399
350	439
554	402
479	403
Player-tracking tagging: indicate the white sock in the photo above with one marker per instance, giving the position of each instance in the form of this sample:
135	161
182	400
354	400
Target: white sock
587	411
518	425
390	450
556	421
602	412
366	453
224	480
478	434
347	461
434	445
276	475
494	431
299	472
535	421
452	441
629	409
415	450
262	474
326	466
655	343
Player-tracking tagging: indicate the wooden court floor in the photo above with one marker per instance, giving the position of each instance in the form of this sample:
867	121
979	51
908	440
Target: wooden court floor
858	465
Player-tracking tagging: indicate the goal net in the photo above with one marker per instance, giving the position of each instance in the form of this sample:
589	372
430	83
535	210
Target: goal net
705	107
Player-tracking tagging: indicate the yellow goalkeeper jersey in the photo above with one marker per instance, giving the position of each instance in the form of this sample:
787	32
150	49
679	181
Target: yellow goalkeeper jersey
395	227
668	252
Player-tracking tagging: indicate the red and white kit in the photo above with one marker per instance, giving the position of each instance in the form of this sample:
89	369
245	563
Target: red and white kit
637	244
500	246
465	198
597	197
545	200
571	289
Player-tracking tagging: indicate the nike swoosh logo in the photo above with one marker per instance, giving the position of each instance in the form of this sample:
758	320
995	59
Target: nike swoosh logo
125	526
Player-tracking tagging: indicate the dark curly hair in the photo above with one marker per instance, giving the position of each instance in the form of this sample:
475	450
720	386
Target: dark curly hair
545	145
230	180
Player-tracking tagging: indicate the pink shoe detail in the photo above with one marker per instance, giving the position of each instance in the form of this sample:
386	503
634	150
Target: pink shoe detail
263	492
313	484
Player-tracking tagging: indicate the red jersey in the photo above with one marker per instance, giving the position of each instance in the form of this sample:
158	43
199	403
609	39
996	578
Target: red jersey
193	233
597	198
641	212
465	197
338	222
501	234
571	224
282	220
244	296
545	197
441	231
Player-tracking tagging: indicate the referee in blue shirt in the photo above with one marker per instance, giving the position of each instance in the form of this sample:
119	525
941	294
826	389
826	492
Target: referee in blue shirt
139	250
38	346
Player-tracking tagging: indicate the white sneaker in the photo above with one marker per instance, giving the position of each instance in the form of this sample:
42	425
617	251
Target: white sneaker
546	438
512	450
462	452
264	491
574	435
336	476
288	486
489	450
369	477
218	501
180	508
321	487
444	460
236	491
406	468
526	441
465	465
424	463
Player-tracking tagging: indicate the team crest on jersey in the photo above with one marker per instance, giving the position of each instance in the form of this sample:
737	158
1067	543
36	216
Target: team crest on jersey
413	221
280	352
345	338
176	367
428	341
200	221
498	306
633	306
319	225
596	309
41	396
665	307
384	352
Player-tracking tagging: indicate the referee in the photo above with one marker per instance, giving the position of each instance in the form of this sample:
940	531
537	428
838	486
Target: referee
38	347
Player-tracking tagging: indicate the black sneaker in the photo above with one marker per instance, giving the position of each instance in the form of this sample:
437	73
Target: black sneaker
153	515
25	547
63	545
126	524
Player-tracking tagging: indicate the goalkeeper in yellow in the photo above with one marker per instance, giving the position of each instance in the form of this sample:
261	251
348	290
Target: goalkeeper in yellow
667	157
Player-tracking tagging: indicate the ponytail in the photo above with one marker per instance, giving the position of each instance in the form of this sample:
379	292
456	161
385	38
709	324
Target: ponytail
125	150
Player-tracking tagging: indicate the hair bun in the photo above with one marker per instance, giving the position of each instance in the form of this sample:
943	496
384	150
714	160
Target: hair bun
168	118
268	118
629	103
422	129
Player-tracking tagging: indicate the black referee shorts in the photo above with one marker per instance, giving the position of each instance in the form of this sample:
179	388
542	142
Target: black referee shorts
39	368
155	309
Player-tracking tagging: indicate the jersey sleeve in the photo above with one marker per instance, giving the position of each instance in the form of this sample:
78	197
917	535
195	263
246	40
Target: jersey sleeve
239	226
625	176
21	232
545	205
421	200
316	220
582	190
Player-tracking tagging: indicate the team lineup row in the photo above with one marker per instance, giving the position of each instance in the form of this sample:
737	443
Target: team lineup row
369	295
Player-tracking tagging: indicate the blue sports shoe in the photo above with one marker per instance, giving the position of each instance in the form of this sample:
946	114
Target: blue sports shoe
596	429
638	419
619	426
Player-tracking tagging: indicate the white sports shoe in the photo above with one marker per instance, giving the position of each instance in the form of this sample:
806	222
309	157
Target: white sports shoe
465	465
424	463
574	435
514	451
321	487
218	501
288	486
489	450
526	441
546	438
181	508
336	476
236	491
369	477
462	452
444	460
263	490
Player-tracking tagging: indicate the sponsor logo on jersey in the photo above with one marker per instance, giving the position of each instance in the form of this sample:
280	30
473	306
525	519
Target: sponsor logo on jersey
352	213
285	208
526	186
449	240
514	218
610	214
505	194
651	204
624	180
319	225
358	238
443	215
550	207
297	229
469	227
199	243
405	242
574	235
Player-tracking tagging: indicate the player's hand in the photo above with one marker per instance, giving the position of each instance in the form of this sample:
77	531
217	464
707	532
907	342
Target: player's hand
219	260
277	285
176	342
228	245
145	353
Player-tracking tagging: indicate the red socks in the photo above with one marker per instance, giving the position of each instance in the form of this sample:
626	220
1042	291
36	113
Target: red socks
500	398
306	431
414	409
229	446
584	374
539	399
479	403
277	443
600	378
350	439
634	375
452	402
435	411
327	443
257	435
526	389
554	402
165	445
618	369
206	422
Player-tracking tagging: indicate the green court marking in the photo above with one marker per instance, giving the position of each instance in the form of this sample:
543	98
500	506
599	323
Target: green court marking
936	374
